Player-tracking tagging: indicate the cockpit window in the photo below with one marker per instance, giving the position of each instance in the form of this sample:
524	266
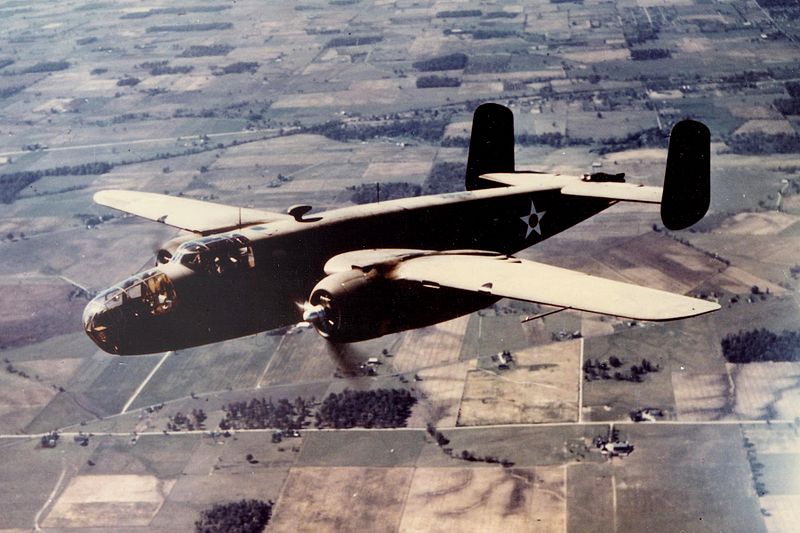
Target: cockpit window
217	255
152	290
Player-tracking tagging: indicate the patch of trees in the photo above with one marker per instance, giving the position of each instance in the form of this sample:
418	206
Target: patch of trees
427	82
128	81
382	408
555	139
174	11
778	3
449	62
86	40
207	26
500	15
424	129
761	345
13	182
764	143
199	50
46	66
264	413
612	369
160	68
444	177
7	92
367	193
788	106
792	87
236	68
640	139
647	54
489	33
244	516
6	62
353	40
459	13
190	422
98	71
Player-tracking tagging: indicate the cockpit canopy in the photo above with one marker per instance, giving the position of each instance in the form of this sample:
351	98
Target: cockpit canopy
218	254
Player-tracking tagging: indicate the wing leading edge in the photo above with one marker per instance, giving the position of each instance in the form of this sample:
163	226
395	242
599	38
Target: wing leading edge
509	277
185	213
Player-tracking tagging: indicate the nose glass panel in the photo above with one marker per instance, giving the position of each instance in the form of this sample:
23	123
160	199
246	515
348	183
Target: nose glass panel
128	308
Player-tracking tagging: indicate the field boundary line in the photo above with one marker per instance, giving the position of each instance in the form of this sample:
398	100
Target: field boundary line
145	382
49	499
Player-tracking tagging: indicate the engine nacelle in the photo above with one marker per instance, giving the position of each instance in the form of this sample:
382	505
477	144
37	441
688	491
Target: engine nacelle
356	305
167	250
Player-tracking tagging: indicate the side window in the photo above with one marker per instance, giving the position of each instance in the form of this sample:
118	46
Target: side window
162	293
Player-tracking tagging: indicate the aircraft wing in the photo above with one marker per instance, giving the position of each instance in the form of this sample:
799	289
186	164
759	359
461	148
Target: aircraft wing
509	277
185	213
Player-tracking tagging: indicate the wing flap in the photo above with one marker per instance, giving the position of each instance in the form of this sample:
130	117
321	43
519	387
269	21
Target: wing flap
508	277
185	213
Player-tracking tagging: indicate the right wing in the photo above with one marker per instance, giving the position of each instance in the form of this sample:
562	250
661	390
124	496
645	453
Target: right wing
185	213
508	277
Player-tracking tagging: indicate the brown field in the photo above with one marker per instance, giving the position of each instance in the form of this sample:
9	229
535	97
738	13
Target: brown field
767	390
413	171
441	389
299	357
485	499
109	501
660	263
771	127
539	387
777	449
701	396
757	223
20	401
782	512
37	310
342	499
432	346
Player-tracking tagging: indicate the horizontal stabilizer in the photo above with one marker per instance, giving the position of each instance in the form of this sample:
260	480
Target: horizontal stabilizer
577	186
629	192
507	277
185	213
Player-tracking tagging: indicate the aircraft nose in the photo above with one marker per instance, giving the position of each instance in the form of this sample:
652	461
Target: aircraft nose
99	324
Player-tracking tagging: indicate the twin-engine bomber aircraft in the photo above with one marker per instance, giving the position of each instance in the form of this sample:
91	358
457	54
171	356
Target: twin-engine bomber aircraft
364	271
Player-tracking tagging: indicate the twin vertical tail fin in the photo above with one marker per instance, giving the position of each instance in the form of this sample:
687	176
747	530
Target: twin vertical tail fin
491	145
687	180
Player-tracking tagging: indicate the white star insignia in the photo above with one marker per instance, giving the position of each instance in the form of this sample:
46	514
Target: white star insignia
533	220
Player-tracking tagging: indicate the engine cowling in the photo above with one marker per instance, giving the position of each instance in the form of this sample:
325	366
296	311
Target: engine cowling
167	250
357	305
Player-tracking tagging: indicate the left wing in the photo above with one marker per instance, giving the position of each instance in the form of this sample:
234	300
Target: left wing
508	277
185	213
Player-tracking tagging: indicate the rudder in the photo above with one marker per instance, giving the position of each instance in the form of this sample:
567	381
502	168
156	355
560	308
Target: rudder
687	180
491	145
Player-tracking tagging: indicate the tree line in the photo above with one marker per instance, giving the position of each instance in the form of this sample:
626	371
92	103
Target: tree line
13	182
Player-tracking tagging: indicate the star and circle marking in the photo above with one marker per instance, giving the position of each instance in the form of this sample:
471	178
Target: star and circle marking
533	221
